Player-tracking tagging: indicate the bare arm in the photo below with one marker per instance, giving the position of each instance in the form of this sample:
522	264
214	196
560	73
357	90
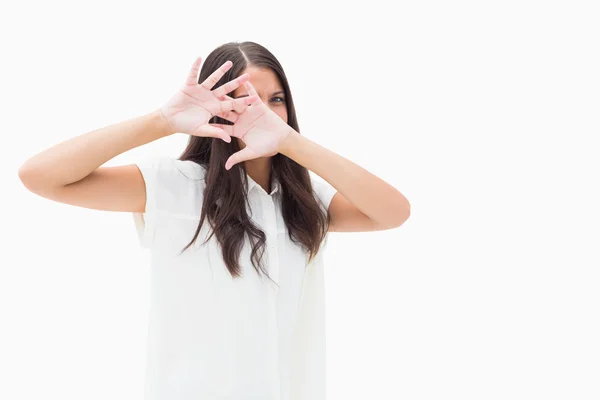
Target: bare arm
70	172
364	202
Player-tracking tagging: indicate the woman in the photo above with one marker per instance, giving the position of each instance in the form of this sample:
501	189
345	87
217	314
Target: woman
217	328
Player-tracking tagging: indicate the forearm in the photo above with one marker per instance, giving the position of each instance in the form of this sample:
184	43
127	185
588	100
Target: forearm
75	158
370	194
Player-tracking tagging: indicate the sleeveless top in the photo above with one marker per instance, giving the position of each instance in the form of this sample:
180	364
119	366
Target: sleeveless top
214	337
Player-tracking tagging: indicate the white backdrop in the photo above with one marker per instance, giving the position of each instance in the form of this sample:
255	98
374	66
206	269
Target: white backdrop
483	114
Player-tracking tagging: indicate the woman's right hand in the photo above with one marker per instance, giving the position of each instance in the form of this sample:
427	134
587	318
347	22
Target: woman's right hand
190	109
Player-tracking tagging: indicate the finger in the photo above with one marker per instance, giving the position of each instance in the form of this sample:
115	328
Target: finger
212	130
250	88
220	126
239	109
228	115
243	155
228	129
231	85
216	75
192	78
228	105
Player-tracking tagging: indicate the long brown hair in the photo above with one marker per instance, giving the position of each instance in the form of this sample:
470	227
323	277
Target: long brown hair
225	194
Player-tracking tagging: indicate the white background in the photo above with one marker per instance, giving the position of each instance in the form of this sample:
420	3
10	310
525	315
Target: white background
484	114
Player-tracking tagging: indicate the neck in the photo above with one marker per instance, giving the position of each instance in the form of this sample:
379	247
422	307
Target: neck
259	169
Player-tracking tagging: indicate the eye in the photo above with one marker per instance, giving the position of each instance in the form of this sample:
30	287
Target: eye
280	98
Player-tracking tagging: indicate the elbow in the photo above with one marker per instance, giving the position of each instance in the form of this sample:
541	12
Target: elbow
24	175
29	177
402	215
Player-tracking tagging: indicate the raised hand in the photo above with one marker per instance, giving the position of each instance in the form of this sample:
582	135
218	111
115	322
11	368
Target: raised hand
190	109
261	129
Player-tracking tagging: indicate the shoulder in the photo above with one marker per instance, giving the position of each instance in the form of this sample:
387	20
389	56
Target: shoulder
165	164
172	185
166	171
190	169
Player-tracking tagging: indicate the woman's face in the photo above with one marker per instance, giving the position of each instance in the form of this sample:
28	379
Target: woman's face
269	90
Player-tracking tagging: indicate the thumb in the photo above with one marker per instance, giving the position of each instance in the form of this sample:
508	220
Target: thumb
213	130
228	129
243	155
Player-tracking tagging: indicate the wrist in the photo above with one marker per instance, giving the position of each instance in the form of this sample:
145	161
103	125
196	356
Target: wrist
289	142
162	123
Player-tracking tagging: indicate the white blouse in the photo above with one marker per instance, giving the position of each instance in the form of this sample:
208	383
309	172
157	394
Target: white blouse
214	337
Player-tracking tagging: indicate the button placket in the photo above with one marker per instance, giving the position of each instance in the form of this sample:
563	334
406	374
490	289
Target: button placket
273	257
271	222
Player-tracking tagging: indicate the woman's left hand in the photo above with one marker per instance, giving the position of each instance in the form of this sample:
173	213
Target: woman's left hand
261	129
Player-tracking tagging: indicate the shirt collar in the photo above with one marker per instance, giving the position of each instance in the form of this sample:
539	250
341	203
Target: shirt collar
275	185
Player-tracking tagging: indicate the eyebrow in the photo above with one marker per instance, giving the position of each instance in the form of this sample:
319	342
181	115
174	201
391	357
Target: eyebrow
245	95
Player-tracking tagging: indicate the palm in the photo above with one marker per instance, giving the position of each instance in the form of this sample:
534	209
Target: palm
252	127
261	130
190	109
